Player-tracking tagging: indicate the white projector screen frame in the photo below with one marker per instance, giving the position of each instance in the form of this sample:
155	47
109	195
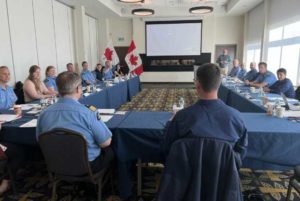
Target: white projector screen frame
170	45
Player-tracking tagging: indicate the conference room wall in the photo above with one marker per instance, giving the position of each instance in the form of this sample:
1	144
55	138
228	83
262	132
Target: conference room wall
216	30
35	32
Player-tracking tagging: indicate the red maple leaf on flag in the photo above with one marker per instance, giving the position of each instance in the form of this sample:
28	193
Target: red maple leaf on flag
108	54
133	60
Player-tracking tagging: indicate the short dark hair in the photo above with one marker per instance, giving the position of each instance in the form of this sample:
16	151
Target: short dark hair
84	62
281	70
3	67
69	64
263	63
209	76
67	82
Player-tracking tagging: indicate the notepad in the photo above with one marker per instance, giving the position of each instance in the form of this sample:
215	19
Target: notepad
106	118
30	124
86	94
121	112
8	117
34	112
106	111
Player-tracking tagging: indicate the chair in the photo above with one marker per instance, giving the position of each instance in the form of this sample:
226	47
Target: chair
66	156
19	92
200	169
297	92
294	182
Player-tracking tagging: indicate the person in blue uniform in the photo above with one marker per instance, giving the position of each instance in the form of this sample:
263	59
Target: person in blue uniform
241	74
252	74
7	94
209	117
50	79
70	67
108	73
235	69
68	113
264	78
282	85
86	75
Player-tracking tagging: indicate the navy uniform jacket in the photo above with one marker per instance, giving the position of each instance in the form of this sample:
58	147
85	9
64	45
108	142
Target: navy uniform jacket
209	118
283	86
251	75
70	114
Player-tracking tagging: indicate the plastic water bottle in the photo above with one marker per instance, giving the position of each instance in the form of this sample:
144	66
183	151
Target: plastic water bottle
181	102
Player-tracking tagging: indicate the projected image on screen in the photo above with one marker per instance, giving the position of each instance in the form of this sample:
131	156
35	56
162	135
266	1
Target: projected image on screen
173	39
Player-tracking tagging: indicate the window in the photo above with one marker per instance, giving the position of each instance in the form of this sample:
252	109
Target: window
284	50
253	55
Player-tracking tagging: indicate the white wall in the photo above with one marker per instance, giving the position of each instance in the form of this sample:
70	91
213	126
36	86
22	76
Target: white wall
121	29
91	37
35	32
216	30
255	25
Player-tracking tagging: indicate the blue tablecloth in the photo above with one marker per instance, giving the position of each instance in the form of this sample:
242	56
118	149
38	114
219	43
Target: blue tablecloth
117	95
134	87
98	99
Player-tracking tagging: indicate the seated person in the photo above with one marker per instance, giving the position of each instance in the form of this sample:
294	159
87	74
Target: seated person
108	74
209	117
235	69
86	75
252	74
264	78
50	79
7	94
70	68
98	72
74	116
242	72
33	87
118	72
282	85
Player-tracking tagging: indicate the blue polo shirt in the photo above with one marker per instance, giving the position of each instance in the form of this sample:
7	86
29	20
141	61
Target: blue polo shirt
87	75
108	75
283	86
251	75
50	82
208	118
70	114
234	71
267	77
7	97
241	74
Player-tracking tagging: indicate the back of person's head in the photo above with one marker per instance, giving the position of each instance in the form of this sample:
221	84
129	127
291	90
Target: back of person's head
281	70
67	83
209	77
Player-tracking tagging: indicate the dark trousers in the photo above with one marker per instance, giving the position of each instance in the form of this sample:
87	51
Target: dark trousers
105	159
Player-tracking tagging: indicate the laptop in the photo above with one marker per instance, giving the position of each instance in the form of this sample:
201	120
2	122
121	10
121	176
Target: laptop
289	106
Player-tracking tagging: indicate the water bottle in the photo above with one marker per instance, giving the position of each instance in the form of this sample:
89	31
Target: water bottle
181	102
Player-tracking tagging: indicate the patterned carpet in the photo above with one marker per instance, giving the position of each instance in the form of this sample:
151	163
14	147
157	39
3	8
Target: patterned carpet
33	183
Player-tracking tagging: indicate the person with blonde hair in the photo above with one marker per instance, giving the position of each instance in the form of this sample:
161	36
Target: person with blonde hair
33	87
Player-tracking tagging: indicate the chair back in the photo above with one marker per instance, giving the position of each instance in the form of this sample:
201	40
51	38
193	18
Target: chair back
65	152
297	93
19	92
200	169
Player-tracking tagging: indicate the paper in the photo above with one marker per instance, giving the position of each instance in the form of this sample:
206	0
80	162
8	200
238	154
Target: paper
34	112
27	106
106	118
106	111
8	117
86	94
98	90
121	112
290	113
29	124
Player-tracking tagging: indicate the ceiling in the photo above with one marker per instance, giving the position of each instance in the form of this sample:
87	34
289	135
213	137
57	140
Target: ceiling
163	8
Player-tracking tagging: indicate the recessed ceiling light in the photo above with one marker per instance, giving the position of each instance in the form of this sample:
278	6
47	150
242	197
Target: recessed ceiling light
131	1
201	10
142	12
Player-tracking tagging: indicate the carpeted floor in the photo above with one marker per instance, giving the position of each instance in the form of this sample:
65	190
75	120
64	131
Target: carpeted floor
33	183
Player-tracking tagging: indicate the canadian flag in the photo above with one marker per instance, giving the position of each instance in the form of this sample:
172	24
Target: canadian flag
110	54
134	60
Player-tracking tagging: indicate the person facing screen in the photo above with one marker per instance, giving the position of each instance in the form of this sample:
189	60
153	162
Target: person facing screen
33	87
282	85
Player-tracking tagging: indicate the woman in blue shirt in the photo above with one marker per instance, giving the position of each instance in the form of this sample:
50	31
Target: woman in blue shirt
50	79
282	85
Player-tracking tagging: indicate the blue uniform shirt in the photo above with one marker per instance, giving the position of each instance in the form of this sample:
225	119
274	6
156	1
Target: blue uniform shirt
50	82
70	114
268	77
251	75
234	71
7	97
241	74
283	86
108	75
209	118
87	75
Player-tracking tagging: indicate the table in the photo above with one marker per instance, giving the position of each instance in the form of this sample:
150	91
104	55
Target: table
114	96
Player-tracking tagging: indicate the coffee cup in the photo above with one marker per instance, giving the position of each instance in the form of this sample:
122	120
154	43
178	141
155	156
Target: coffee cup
252	89
18	110
280	112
